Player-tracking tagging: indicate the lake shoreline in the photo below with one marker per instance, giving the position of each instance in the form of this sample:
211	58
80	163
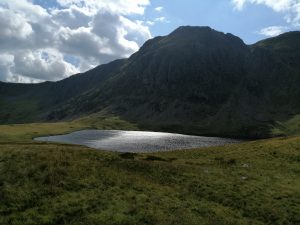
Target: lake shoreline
136	141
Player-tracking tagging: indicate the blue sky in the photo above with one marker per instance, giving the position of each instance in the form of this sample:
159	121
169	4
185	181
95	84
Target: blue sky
54	39
218	14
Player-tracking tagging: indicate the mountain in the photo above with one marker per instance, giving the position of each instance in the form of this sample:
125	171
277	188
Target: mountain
195	80
21	103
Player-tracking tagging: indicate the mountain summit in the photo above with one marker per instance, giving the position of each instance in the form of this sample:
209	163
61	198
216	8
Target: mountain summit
203	34
194	80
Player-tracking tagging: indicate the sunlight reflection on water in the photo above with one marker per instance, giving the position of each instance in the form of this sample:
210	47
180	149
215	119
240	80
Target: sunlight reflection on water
136	141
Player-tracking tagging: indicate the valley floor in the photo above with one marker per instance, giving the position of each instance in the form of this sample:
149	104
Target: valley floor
251	183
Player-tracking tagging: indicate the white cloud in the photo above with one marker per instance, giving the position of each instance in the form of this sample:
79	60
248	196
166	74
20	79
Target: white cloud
159	9
272	31
50	44
161	19
6	63
290	7
47	64
239	4
13	25
150	23
277	5
25	9
72	17
118	6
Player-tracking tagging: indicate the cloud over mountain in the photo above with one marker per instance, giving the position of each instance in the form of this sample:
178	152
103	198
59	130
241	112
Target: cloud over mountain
71	36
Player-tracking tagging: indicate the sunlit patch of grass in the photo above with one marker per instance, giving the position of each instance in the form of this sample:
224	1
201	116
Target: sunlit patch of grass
250	183
290	127
25	132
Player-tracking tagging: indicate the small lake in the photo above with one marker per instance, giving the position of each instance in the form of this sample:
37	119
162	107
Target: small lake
136	141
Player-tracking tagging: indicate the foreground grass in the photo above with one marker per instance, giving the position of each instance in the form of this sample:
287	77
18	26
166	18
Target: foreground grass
45	184
251	183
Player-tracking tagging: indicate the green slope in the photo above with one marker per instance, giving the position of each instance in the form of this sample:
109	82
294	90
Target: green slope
23	103
287	128
24	133
251	183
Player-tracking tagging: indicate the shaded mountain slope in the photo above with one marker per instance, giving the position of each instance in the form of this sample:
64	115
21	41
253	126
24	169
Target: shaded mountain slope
32	102
195	80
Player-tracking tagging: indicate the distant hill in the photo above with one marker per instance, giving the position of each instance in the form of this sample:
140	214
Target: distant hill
195	80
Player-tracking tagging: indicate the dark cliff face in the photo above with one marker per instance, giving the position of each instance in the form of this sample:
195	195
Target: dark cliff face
185	56
186	74
194	80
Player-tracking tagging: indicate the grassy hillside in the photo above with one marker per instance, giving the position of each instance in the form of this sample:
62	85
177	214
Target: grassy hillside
25	103
289	127
250	183
26	132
